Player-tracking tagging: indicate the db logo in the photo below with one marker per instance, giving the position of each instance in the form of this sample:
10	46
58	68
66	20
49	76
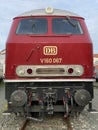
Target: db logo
50	50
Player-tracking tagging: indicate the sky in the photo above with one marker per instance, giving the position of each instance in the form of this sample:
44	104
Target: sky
85	8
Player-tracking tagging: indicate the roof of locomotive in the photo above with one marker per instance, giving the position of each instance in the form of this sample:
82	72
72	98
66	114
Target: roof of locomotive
48	11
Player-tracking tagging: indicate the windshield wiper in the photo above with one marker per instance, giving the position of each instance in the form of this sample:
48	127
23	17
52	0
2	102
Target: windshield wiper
70	21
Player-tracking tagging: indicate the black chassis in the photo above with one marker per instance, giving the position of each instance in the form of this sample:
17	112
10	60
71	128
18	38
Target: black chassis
42	90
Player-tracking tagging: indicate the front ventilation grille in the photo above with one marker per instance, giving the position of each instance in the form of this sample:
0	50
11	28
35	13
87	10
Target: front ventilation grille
50	71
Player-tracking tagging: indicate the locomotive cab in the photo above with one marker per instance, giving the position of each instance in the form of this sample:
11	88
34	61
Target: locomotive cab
49	63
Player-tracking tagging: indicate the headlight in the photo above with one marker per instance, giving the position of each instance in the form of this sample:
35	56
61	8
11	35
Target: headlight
49	10
21	72
79	70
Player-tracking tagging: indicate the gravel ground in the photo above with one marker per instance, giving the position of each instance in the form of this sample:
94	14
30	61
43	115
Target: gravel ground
86	120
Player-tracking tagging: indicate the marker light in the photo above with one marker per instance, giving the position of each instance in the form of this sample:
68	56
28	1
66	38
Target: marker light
70	70
29	71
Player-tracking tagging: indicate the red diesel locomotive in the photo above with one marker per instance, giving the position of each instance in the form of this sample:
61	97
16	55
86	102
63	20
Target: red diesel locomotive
49	63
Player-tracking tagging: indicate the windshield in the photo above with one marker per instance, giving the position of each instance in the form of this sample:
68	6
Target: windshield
32	26
66	26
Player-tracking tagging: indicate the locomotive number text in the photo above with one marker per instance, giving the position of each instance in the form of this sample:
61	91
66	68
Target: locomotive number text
50	60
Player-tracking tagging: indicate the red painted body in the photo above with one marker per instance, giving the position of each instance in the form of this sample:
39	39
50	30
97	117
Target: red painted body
28	50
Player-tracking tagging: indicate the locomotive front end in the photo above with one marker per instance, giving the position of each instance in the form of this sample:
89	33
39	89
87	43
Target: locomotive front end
49	63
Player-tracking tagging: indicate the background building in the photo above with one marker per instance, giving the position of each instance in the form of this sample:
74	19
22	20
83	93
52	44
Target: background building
2	63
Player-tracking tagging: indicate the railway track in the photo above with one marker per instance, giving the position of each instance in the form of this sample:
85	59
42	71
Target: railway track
23	127
67	124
